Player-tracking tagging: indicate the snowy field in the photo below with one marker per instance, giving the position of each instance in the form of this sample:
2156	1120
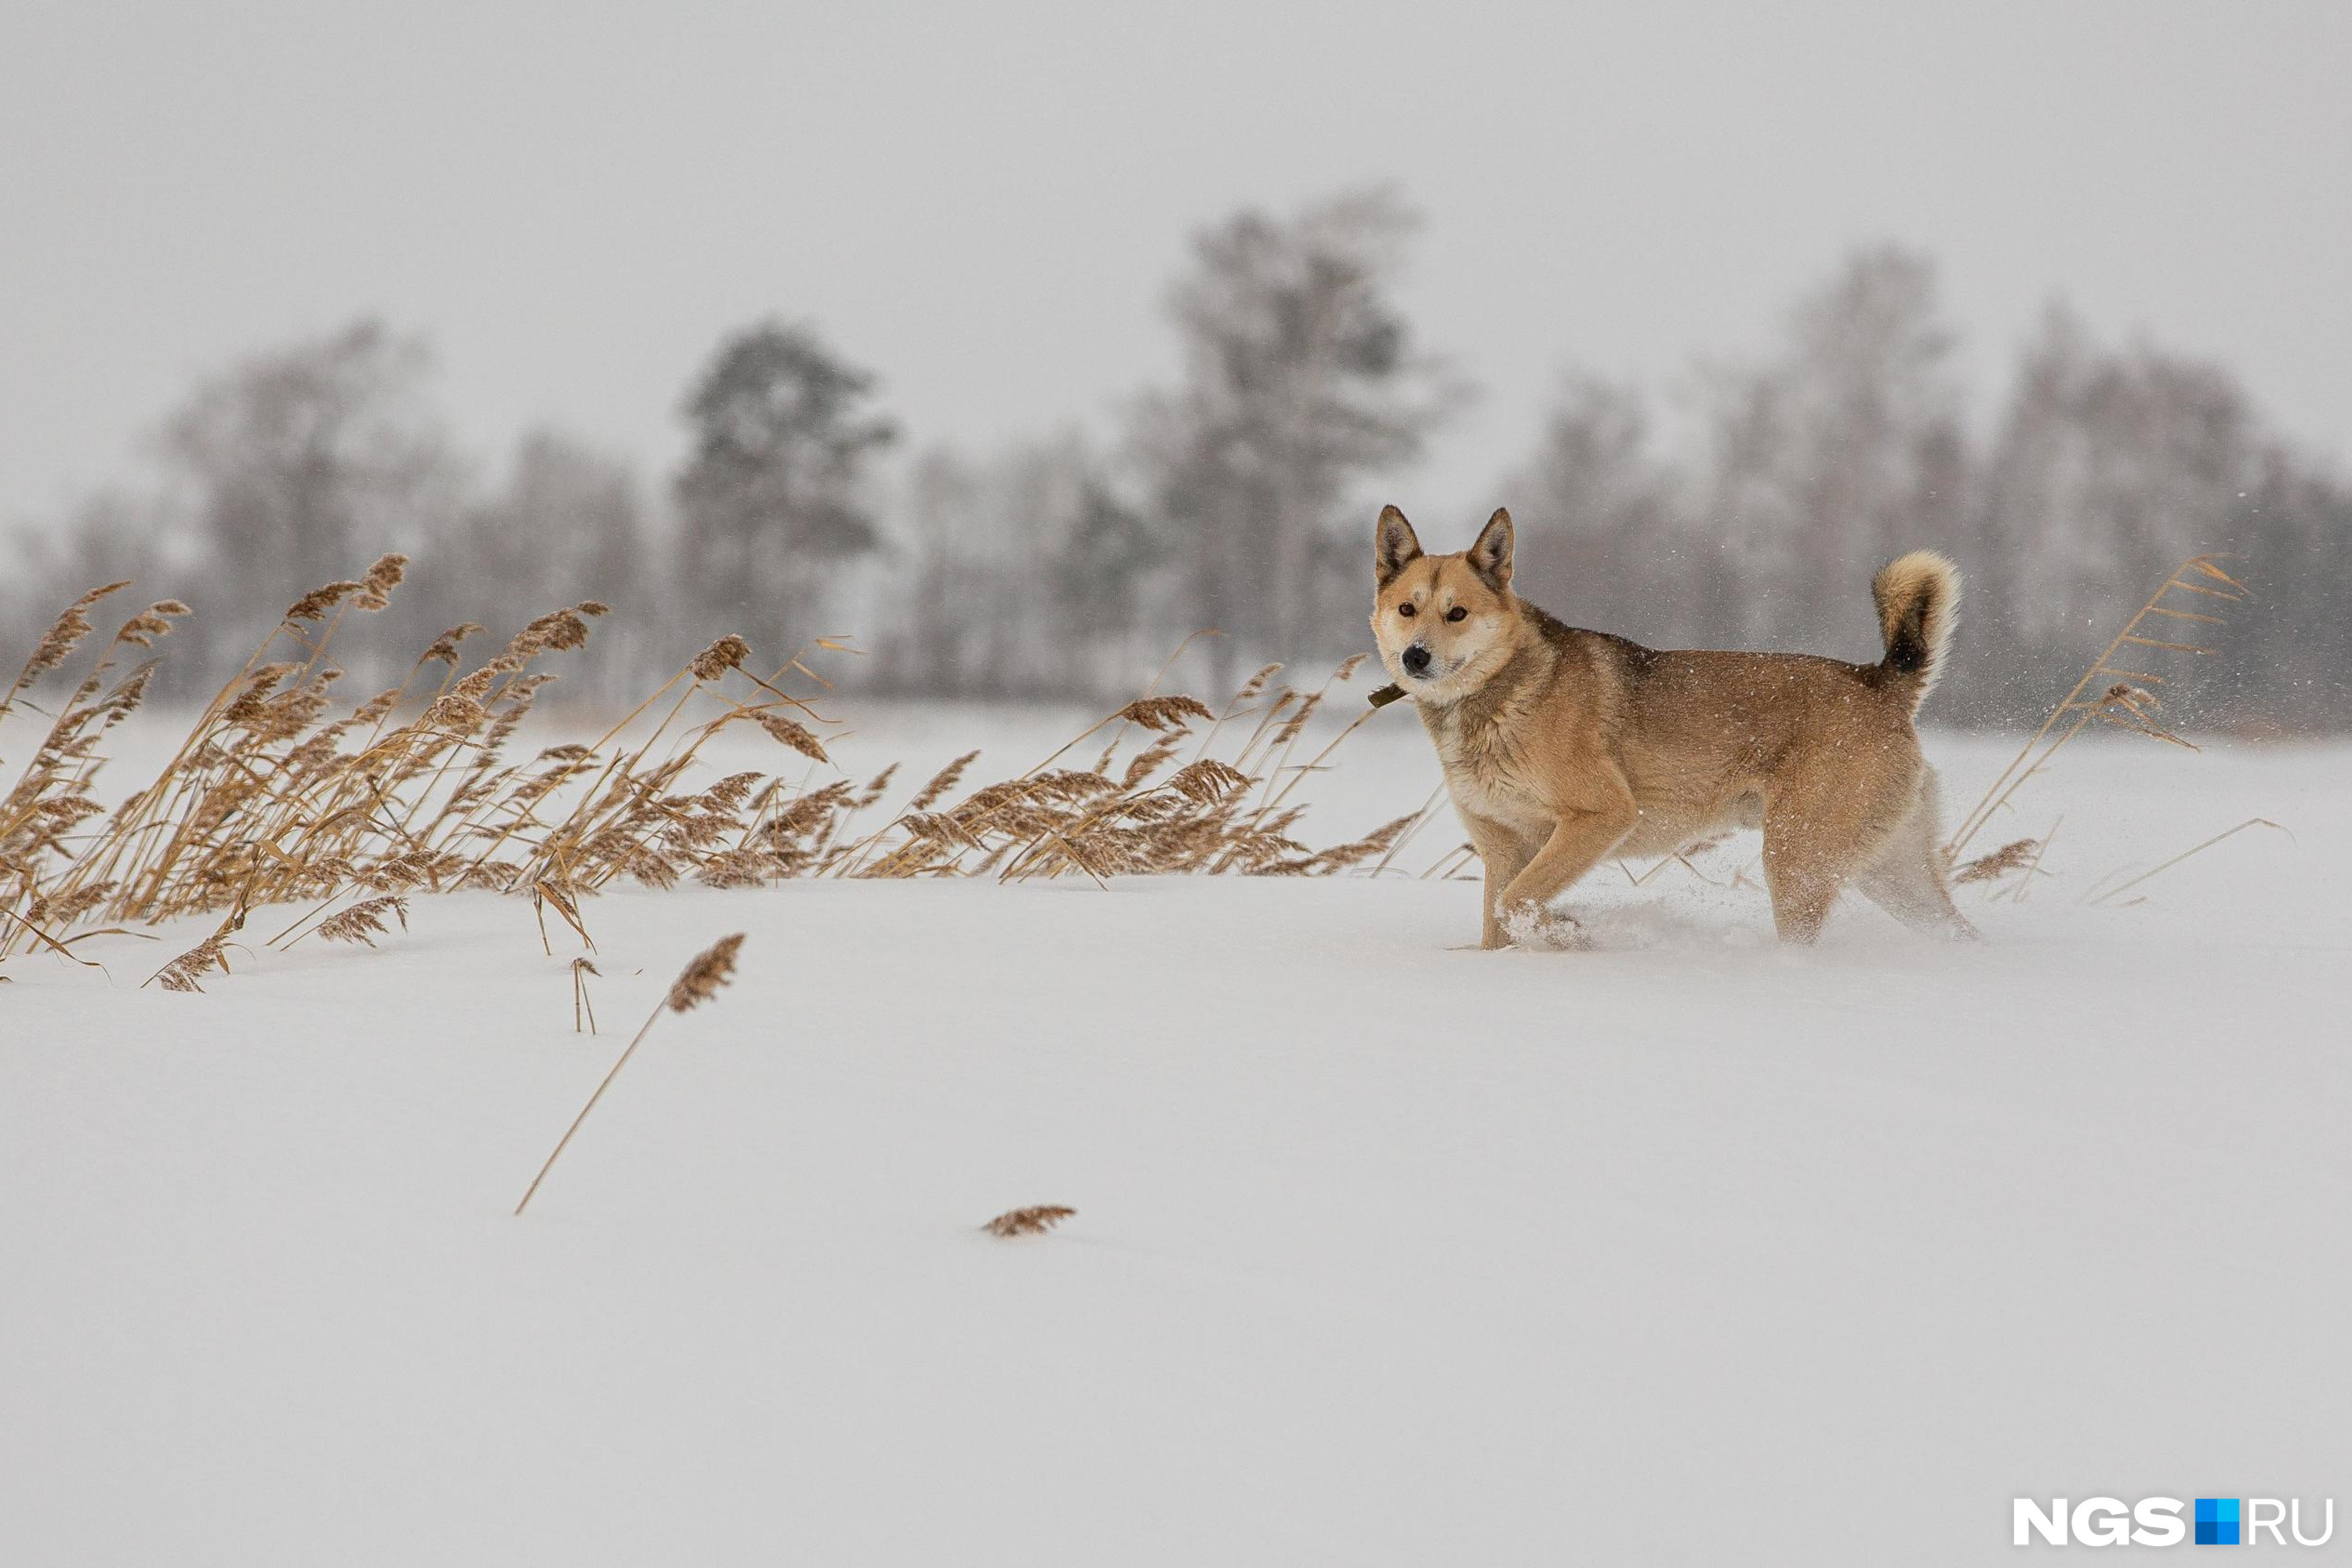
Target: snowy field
1689	1249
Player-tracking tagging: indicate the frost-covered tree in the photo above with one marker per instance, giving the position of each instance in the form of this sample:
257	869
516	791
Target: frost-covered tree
771	498
2292	656
1843	448
1301	379
1599	534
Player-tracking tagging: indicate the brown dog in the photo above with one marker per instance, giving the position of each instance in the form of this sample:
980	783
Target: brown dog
1563	747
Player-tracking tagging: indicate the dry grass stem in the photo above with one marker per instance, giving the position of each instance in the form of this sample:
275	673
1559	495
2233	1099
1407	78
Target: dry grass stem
2032	867
2115	892
697	983
581	970
2125	702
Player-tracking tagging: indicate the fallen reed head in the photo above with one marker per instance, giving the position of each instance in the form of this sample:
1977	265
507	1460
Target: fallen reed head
1990	868
1035	1221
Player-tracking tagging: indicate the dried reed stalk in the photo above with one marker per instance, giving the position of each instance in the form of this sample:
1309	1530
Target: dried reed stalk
2124	704
2113	892
699	980
581	970
277	795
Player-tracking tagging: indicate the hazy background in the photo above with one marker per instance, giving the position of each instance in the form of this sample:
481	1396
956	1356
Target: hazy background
561	215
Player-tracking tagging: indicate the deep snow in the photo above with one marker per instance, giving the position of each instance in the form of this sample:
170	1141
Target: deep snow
1691	1249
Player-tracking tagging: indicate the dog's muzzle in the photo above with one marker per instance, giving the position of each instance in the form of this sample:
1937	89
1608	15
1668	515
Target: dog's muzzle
1415	660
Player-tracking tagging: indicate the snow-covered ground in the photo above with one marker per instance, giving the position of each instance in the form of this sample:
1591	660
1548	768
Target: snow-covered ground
1689	1249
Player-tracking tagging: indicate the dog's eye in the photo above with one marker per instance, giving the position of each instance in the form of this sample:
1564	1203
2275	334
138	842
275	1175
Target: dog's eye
1406	611
1457	614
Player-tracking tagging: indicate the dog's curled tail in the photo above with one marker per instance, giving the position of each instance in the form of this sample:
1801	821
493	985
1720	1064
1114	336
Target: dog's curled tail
1919	600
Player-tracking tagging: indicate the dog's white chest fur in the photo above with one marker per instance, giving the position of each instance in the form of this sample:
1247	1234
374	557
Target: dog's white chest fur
1484	780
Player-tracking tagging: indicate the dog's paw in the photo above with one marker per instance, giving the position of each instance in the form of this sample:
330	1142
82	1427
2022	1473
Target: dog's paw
1537	930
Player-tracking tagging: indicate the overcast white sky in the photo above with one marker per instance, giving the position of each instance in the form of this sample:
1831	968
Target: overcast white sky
984	203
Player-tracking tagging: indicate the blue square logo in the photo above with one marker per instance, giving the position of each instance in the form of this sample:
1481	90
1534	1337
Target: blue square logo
2217	1521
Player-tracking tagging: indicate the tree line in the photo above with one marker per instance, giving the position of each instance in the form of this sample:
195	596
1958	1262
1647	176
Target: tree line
1745	507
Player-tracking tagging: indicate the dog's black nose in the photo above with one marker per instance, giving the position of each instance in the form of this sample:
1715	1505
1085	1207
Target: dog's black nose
1415	660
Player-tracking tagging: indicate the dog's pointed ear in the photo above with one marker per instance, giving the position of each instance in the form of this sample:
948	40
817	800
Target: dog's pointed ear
1395	546
1491	556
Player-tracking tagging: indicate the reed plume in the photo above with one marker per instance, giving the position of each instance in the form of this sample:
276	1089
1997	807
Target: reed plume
697	983
278	795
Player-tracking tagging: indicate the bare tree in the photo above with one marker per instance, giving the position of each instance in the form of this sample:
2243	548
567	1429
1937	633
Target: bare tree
1107	552
1020	575
2294	660
2106	468
111	536
929	644
305	463
1739	486
567	524
1595	507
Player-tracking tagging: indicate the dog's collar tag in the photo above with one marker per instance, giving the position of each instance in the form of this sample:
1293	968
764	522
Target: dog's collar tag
1386	695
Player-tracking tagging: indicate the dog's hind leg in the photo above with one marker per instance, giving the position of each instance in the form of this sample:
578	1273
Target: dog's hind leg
1822	825
1905	877
1802	876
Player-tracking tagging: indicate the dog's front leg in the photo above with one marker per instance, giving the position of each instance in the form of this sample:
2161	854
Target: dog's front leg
1505	855
1577	844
